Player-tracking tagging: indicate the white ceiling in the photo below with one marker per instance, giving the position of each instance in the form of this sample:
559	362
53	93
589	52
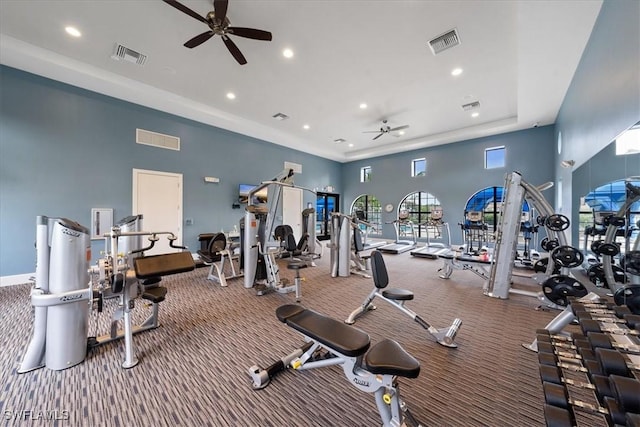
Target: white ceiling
518	59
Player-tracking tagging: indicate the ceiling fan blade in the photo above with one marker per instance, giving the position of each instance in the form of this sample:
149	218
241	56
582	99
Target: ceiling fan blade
234	50
371	131
199	39
220	10
185	9
398	128
382	133
250	33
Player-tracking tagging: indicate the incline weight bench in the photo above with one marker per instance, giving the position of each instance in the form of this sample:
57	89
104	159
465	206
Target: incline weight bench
330	342
397	298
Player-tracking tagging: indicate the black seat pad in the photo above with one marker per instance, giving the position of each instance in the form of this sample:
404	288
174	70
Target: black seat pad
388	358
398	294
296	265
332	333
163	265
155	295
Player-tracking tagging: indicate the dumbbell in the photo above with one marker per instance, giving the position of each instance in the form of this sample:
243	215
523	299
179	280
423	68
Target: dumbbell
576	342
611	325
603	307
625	400
617	342
612	362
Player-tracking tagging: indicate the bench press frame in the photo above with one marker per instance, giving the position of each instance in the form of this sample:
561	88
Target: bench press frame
320	352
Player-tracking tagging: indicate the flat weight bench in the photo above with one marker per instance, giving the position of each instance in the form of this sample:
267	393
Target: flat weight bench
330	342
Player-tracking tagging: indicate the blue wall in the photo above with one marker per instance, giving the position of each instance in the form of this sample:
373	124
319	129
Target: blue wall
65	150
602	101
454	173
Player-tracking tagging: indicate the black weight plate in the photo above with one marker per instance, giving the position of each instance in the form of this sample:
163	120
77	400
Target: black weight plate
618	221
540	220
596	274
557	222
618	274
540	266
595	245
549	244
559	288
567	256
627	390
612	362
609	249
630	296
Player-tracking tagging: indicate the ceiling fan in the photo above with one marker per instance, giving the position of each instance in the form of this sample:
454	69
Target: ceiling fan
218	23
385	128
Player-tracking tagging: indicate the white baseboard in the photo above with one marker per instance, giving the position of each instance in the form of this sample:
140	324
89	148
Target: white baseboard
16	279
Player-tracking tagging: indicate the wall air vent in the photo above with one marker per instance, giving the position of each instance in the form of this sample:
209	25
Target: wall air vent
159	140
471	106
444	41
123	53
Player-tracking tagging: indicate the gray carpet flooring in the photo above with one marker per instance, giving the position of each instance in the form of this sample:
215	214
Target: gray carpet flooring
193	369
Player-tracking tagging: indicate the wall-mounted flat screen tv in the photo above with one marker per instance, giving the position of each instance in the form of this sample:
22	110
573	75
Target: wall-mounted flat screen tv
243	194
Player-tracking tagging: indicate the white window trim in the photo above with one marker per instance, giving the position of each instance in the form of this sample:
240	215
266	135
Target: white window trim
498	147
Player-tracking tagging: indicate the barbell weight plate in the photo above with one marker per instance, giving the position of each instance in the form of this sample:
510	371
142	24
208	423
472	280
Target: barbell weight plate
618	221
595	245
628	295
609	249
557	222
540	220
596	274
567	256
559	288
549	244
540	266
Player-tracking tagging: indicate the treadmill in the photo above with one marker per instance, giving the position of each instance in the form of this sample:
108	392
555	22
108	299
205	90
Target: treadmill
367	242
434	250
400	246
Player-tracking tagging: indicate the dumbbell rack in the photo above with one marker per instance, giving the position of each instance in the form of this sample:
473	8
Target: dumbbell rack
592	377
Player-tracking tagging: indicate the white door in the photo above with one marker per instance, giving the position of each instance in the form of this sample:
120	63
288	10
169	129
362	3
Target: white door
158	197
292	209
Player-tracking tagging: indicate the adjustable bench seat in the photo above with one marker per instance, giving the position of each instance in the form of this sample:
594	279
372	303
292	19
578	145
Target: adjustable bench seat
332	333
163	265
155	295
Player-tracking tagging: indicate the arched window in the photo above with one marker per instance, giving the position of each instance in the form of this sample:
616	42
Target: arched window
487	202
368	208
421	206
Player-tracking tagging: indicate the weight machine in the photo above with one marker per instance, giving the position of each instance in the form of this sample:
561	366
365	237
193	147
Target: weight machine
556	288
63	295
260	246
345	247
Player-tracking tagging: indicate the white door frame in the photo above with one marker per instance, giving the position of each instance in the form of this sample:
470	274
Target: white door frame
134	203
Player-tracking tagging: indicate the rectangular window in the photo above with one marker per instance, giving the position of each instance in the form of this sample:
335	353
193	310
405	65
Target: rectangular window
419	167
628	142
365	174
494	157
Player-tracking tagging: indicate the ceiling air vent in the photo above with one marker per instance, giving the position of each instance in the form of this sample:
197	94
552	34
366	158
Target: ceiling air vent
471	106
280	116
123	53
444	41
159	140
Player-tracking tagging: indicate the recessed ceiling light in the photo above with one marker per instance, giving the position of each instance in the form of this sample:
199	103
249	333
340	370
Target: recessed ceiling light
73	31
305	127
363	106
400	132
350	145
456	71
287	53
475	114
231	95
